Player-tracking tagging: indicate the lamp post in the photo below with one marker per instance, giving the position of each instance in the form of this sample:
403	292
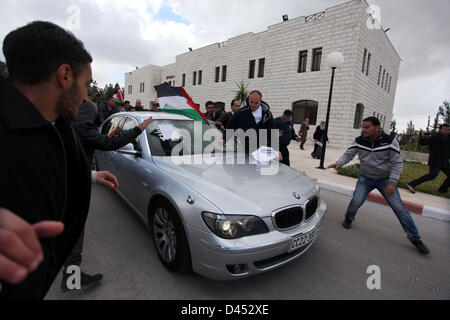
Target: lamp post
334	60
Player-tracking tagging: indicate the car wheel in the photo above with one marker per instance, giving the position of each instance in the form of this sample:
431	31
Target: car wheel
169	238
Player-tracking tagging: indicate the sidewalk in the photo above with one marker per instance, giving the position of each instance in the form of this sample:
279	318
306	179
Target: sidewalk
418	203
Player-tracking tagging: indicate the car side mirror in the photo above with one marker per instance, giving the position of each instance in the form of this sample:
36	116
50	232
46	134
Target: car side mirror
129	149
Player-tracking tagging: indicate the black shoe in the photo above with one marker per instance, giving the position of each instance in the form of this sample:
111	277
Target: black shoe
86	280
347	224
420	246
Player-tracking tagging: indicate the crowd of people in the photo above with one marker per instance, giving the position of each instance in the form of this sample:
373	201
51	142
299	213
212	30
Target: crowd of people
48	126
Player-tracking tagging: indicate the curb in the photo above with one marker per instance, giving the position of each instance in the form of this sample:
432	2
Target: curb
419	209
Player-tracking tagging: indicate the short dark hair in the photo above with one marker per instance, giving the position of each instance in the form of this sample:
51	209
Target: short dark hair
35	51
232	102
126	101
375	121
208	103
257	92
288	113
446	125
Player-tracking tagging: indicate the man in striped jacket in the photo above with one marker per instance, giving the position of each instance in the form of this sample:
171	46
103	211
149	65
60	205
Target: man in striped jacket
381	166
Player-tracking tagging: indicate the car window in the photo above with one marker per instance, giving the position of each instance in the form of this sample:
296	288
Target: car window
111	127
176	138
131	123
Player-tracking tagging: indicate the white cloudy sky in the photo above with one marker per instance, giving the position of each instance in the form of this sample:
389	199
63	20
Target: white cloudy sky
124	34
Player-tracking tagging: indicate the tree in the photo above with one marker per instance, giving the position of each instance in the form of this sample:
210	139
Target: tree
393	132
3	70
428	124
442	116
241	93
444	112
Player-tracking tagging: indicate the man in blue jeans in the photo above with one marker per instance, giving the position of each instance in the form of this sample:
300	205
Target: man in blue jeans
381	166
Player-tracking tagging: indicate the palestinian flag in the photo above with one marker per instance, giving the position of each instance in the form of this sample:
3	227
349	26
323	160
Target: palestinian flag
118	97
176	100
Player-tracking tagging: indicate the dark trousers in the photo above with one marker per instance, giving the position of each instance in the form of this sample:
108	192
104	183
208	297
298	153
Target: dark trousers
285	154
302	144
75	256
434	172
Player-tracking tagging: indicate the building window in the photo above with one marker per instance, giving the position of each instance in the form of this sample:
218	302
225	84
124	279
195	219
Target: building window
379	75
384	121
389	88
317	59
305	109
130	89
194	78
368	64
386	85
261	64
364	60
251	69
217	74
359	113
302	60
382	81
183	79
200	73
142	87
224	73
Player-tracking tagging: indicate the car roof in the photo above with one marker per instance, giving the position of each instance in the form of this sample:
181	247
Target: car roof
155	115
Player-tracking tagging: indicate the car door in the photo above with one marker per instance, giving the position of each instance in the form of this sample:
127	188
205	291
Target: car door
107	160
131	172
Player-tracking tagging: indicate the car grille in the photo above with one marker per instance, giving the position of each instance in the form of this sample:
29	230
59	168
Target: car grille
311	207
288	218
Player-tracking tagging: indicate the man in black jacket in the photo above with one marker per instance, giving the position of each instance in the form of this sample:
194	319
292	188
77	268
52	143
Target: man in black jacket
222	122
287	134
91	140
439	145
107	109
254	116
43	169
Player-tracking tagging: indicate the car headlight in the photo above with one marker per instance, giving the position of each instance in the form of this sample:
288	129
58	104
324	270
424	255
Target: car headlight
234	227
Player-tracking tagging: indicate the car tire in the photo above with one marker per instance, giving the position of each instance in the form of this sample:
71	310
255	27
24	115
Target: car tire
169	238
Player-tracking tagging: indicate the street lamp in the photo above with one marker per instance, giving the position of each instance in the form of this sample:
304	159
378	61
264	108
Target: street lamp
334	60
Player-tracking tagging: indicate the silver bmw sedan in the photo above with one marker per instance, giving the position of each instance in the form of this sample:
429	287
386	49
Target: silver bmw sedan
218	212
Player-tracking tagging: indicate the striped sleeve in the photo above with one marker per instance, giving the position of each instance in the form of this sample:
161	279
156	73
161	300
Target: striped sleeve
349	155
396	161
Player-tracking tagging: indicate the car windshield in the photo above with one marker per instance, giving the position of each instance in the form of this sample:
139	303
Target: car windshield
183	137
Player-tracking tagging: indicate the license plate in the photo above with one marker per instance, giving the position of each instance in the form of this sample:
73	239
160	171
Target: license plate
302	240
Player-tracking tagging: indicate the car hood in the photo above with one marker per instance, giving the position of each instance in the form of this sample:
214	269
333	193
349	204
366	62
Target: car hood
239	188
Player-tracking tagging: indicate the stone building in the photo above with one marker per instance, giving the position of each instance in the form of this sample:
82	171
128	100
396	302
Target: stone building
287	63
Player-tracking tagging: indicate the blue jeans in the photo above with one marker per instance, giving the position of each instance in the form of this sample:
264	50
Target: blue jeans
364	186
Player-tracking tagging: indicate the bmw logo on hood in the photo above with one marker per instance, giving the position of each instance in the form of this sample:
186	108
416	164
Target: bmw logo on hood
296	195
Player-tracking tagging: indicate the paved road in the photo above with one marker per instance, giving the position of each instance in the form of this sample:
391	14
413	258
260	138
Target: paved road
118	245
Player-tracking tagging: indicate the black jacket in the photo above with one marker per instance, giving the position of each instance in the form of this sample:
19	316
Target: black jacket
288	131
90	136
439	150
104	112
44	175
244	119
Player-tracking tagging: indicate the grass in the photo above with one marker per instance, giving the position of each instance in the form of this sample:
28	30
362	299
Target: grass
411	171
